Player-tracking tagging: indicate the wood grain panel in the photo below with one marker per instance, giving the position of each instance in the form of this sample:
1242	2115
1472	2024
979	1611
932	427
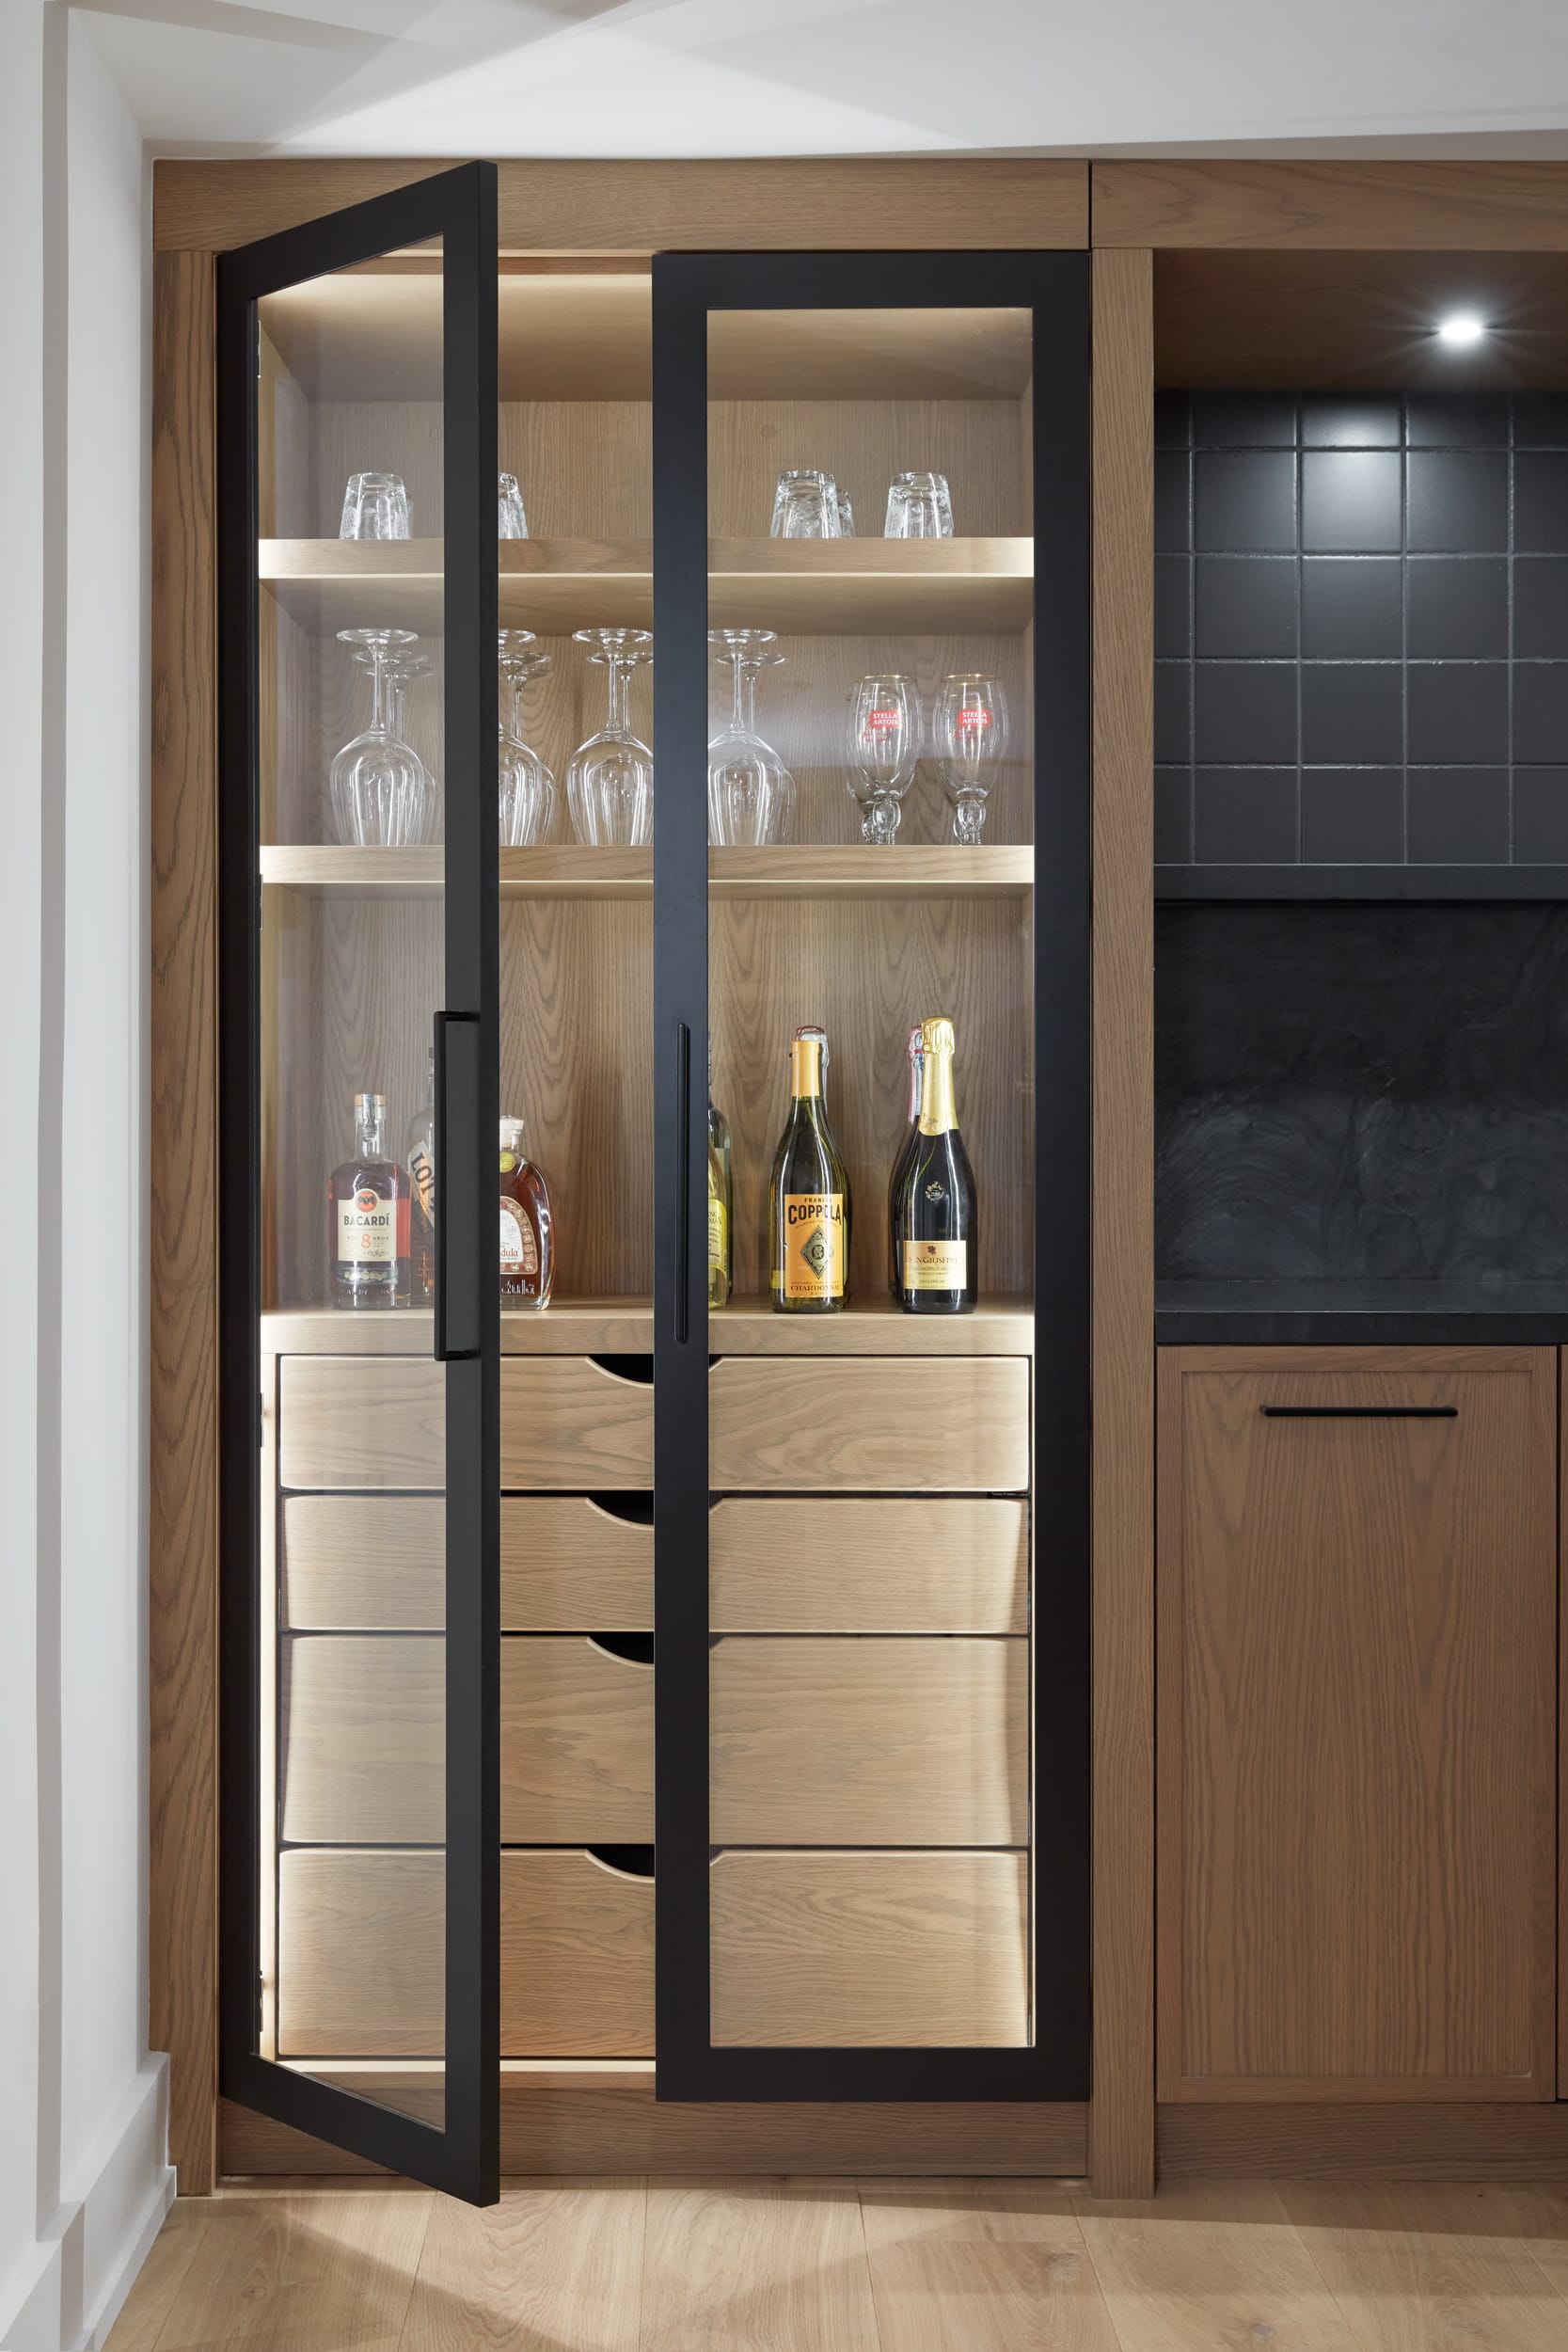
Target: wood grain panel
1288	202
377	1563
307	2270
1511	2141
651	206
1406	2262
183	1239
568	1421
578	2122
576	1744
361	1420
1122	1245
869	1741
361	1956
835	1950
1210	2265
545	2266
960	1425
801	1565
981	2265
768	2264
978	444
362	1741
1357	1767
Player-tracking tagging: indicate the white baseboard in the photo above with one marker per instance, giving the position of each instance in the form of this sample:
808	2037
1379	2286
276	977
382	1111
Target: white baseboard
86	2263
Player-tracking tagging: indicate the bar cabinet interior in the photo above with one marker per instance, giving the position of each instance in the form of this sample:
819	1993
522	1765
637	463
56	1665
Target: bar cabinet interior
870	1696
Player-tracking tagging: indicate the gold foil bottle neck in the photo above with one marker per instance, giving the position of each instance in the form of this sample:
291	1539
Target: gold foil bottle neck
806	1055
937	1044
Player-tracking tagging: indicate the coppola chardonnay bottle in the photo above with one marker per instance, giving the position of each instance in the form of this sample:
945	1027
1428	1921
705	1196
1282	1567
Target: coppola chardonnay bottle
720	1201
808	1201
934	1214
912	1129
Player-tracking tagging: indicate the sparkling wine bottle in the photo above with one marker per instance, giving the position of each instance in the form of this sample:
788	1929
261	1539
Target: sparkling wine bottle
911	1131
935	1214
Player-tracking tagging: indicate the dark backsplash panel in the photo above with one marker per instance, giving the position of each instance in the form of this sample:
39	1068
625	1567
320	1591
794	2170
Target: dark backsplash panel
1361	629
1349	1092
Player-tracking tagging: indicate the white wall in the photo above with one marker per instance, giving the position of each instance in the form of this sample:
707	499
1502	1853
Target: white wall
83	2180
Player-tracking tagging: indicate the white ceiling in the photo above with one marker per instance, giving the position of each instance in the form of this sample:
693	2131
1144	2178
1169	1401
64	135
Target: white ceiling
776	77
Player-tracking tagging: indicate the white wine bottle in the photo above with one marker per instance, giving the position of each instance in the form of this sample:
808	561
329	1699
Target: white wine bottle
808	1199
935	1220
720	1201
911	1131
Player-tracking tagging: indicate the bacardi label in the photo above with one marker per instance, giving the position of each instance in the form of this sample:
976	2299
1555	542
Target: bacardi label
367	1229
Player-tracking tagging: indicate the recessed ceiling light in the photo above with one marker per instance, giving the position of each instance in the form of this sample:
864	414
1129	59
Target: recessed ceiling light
1460	328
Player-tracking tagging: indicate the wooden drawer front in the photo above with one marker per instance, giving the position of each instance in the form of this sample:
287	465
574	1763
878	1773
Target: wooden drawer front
380	1420
360	1954
363	1750
956	1563
567	1421
869	1743
377	1563
361	1420
821	1950
576	1744
958	1425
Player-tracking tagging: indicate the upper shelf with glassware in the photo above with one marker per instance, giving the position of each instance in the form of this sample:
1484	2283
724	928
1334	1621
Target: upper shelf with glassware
574	334
807	587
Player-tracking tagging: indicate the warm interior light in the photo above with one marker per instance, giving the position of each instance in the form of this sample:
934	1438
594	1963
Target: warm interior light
1461	327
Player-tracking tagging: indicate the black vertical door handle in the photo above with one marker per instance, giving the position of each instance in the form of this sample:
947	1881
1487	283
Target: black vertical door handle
459	1188
683	1182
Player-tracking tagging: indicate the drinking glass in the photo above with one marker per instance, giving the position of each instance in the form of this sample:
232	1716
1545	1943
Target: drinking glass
805	506
886	735
527	787
375	506
918	507
404	668
510	522
381	789
971	739
846	516
610	784
751	793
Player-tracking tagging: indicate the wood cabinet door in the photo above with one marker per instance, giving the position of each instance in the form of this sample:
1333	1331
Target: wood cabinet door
1357	1677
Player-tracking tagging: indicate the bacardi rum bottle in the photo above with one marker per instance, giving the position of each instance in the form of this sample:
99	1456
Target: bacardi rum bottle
367	1216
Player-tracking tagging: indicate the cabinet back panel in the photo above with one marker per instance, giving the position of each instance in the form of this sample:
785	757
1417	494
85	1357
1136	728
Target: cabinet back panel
980	445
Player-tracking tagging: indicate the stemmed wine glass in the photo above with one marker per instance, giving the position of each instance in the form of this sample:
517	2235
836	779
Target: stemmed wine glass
751	793
610	784
972	737
404	668
382	792
886	735
527	786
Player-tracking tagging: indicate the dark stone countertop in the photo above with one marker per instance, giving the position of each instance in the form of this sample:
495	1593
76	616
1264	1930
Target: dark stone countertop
1367	1312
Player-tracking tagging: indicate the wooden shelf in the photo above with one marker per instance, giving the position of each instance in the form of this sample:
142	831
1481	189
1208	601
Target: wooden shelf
802	587
809	870
625	1326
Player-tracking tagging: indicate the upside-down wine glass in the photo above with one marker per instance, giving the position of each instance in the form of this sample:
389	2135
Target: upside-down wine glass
972	739
610	784
527	787
751	793
381	790
886	737
405	668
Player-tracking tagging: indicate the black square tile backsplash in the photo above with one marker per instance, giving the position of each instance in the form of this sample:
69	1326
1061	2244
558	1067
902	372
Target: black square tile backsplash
1361	629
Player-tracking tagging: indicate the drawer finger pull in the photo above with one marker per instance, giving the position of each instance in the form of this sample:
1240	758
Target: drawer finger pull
631	1509
639	1369
631	1649
626	1862
1359	1412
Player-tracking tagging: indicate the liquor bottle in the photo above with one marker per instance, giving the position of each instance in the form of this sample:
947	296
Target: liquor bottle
911	1131
367	1216
720	1201
808	1201
526	1224
421	1157
934	1216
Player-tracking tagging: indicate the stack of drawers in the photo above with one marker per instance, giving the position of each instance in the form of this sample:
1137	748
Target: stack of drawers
869	1704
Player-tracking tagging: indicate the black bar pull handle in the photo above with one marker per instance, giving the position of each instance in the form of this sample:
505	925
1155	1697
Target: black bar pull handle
1359	1412
460	1232
683	1182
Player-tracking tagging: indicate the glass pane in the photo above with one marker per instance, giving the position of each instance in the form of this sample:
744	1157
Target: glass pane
871	870
353	1534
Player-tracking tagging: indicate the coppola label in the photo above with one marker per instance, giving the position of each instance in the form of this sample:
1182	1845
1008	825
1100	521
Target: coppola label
936	1265
367	1229
519	1242
813	1244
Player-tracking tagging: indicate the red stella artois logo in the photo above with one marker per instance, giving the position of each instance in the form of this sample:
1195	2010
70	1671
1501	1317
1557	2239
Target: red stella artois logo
973	721
883	718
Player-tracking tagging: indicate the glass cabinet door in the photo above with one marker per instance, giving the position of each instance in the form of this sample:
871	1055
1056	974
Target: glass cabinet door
871	1309
360	1832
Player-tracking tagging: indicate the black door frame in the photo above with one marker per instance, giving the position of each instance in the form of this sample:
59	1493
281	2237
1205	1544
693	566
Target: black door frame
462	2156
1056	288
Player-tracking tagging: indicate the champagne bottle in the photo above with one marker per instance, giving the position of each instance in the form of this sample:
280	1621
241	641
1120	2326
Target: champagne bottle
912	1130
934	1217
808	1200
720	1201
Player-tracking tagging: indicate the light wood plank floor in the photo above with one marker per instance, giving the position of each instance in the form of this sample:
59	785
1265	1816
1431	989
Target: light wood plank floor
871	2266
